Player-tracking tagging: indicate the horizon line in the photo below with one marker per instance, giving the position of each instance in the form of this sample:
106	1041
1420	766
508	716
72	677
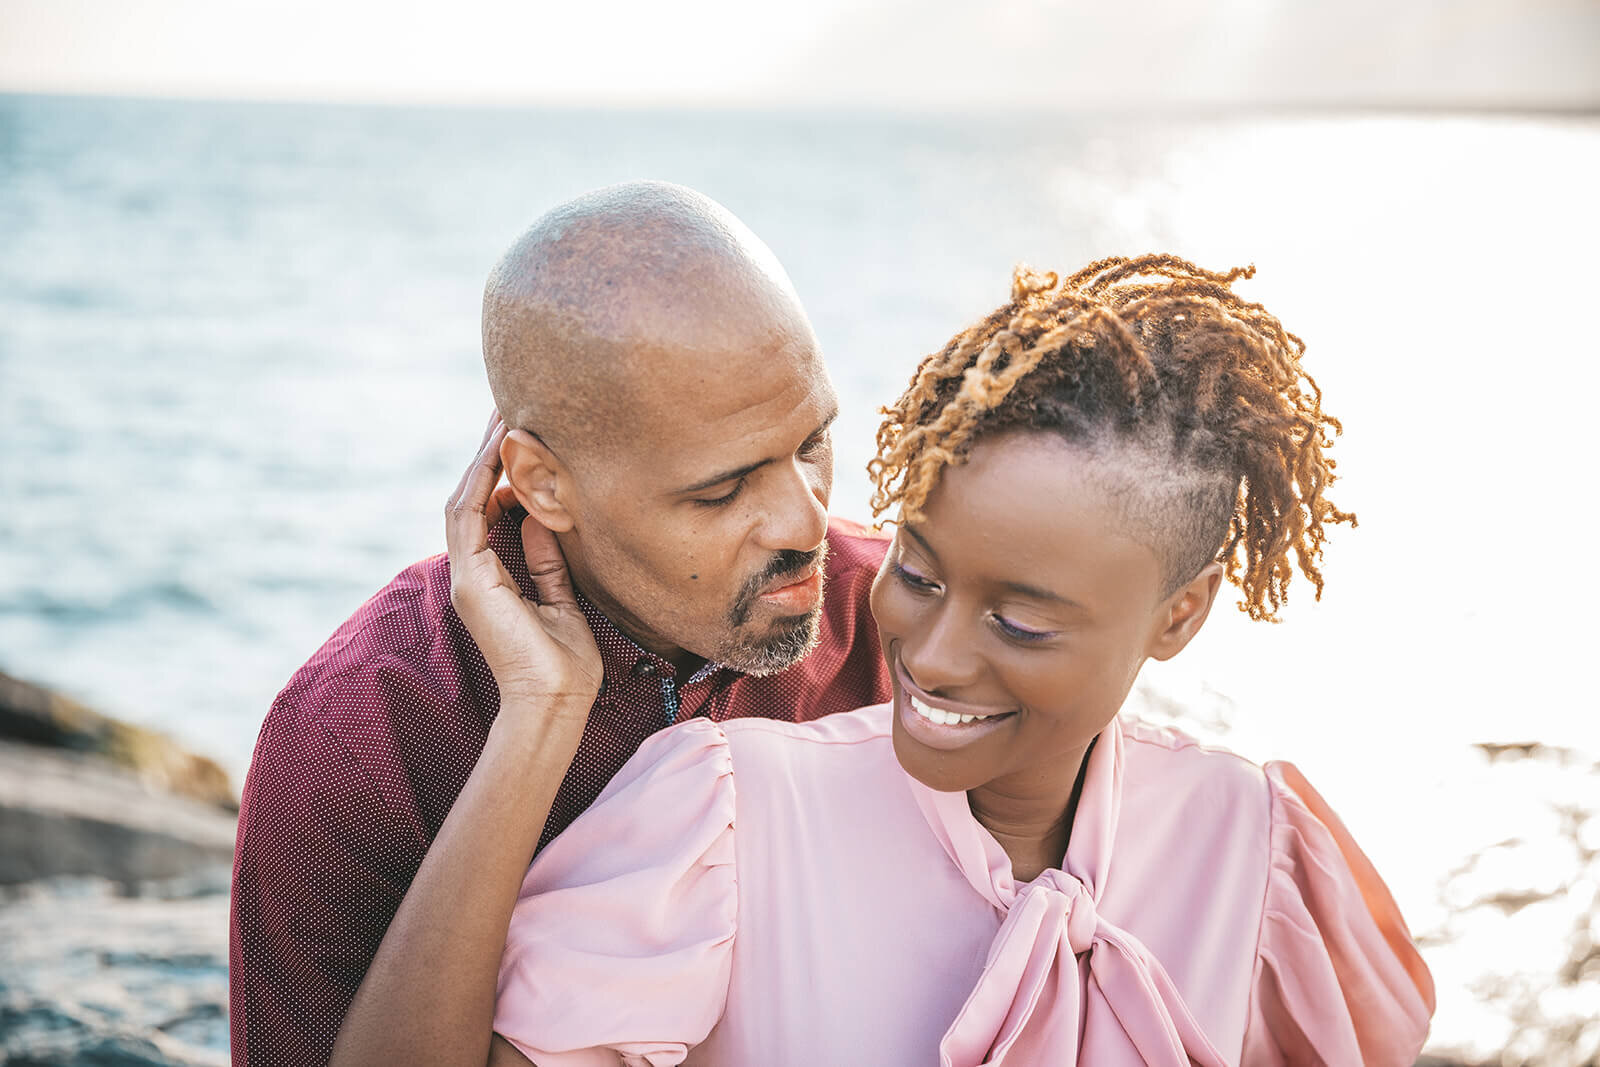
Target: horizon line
824	107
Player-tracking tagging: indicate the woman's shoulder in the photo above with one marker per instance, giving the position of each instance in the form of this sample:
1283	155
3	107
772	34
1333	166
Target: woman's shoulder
1181	767
863	726
765	755
864	730
1336	969
838	761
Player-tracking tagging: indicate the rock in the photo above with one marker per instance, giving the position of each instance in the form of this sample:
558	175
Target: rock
37	716
115	851
72	813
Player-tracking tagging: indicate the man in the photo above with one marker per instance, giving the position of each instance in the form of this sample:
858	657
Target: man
665	443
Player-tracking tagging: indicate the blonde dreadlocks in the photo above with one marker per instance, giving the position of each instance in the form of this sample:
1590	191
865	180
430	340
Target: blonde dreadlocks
1153	360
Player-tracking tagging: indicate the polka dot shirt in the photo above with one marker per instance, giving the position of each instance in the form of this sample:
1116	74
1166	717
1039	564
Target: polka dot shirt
366	749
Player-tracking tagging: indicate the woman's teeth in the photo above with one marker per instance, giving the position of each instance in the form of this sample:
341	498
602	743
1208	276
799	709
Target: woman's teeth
940	716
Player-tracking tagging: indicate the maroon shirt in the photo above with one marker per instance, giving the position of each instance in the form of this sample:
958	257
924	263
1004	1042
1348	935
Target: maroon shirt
366	749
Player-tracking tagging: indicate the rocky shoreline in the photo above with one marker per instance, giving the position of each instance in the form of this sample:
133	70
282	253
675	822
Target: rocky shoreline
115	851
116	847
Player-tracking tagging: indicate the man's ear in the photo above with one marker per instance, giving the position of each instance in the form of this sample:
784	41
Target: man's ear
540	480
1183	613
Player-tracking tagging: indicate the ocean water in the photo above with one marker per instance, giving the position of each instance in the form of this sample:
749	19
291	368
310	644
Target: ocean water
239	375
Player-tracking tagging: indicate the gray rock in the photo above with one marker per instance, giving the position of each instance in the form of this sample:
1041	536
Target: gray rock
36	716
73	813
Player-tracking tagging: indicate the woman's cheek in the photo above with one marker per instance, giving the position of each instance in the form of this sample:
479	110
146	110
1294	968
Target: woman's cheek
878	597
894	609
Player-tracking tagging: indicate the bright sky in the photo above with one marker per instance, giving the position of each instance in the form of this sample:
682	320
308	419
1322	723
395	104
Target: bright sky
921	54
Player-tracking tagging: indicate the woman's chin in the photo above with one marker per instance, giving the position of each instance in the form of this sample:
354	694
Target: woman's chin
943	772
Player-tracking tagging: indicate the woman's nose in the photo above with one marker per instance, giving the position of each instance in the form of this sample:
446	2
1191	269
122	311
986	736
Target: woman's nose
940	656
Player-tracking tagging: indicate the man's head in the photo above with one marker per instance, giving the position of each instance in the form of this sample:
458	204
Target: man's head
670	417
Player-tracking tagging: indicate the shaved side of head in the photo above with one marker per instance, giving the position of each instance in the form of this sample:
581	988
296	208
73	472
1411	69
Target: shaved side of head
616	287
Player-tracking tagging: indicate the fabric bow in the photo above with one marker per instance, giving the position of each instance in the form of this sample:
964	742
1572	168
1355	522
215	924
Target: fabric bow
1062	985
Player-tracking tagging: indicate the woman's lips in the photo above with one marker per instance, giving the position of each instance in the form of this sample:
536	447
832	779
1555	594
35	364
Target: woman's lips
943	724
796	598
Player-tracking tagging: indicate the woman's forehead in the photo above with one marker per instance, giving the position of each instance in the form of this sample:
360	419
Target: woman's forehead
1033	509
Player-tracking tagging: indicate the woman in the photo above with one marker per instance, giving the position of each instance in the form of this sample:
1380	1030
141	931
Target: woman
995	868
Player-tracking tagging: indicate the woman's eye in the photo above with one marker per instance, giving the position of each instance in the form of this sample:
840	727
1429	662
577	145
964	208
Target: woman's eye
912	578
726	498
1019	633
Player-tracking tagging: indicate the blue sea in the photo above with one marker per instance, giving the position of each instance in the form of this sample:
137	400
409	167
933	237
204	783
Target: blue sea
240	373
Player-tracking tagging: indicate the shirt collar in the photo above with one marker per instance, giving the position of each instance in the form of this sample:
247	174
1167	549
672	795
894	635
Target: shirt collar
621	655
1094	827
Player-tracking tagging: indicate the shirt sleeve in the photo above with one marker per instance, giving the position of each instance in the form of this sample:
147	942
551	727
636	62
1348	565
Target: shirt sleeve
311	894
621	942
1338	979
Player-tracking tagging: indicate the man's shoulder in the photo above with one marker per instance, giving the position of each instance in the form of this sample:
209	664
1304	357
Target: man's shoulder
386	713
854	555
402	649
853	548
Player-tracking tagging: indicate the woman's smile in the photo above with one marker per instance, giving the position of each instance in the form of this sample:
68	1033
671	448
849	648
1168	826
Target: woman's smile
942	724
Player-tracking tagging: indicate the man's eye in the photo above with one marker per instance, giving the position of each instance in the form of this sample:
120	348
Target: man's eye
726	498
814	445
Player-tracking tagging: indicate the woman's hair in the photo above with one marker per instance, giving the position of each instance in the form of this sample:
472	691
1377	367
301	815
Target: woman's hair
1204	426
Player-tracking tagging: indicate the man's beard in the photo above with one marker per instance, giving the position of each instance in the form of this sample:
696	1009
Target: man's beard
794	638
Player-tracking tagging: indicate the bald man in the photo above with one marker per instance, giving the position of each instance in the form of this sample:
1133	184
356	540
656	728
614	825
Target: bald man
658	551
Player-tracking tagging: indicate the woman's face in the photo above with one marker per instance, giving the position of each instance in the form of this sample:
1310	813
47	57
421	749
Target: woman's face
1016	616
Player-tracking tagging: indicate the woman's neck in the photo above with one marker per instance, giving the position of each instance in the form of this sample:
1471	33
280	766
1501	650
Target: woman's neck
1031	816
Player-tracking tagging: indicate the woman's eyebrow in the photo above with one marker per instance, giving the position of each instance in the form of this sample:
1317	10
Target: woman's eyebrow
920	540
1038	593
1033	591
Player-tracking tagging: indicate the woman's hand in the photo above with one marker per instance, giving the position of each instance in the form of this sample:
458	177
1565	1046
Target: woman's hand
543	654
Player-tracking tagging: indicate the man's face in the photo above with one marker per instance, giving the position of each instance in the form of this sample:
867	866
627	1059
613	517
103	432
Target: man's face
701	530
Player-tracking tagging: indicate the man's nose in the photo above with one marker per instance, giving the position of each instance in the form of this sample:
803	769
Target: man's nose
798	519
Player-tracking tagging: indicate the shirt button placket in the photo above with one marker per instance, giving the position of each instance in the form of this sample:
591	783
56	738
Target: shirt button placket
646	668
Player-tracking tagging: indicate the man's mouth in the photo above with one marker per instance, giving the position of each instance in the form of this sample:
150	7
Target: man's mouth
794	594
795	590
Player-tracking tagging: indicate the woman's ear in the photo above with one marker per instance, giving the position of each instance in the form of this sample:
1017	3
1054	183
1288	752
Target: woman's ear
540	480
1183	613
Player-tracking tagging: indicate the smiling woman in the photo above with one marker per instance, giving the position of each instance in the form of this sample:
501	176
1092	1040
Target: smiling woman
996	867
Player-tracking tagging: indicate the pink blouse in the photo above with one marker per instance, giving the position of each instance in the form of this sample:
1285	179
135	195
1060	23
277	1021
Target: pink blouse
765	892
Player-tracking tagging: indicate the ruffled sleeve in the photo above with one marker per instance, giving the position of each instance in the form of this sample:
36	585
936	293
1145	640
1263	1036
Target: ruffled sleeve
621	942
1337	977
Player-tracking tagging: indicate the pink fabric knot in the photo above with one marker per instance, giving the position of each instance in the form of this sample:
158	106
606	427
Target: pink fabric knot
1075	901
1056	970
